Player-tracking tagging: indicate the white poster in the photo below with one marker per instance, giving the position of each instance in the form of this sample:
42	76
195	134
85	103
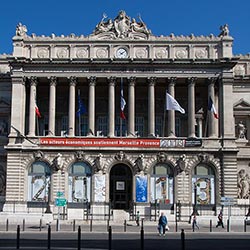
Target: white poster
38	187
99	189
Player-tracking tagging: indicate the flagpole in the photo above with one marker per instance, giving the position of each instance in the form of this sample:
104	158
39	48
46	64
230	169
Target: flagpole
164	116
206	125
79	115
37	124
120	110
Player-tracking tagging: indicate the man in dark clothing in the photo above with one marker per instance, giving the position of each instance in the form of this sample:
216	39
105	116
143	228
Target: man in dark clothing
162	224
220	220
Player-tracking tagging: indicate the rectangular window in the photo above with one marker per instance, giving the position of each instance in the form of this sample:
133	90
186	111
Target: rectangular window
102	125
120	130
158	126
139	125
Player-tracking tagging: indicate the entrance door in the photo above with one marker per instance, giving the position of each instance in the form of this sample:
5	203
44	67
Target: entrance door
120	186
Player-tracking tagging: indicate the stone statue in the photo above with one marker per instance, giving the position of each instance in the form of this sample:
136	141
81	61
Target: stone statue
122	24
57	162
98	164
104	26
241	130
21	30
224	30
243	184
139	27
139	163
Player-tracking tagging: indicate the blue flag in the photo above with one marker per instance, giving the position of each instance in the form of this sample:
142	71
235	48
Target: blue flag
81	108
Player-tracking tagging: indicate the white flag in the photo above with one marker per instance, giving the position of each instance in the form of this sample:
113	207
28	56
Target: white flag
172	104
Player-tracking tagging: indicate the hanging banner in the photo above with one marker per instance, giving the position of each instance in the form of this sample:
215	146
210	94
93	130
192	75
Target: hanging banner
120	142
141	188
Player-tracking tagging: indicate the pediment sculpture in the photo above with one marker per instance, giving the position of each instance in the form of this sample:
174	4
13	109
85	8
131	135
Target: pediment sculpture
121	27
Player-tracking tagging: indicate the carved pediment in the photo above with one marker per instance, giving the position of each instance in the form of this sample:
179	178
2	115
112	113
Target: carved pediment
241	104
121	27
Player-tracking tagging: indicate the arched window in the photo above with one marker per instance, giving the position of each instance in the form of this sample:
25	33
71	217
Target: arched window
203	185
38	182
79	183
162	184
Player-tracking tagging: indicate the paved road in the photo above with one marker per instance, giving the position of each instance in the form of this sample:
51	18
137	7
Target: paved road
126	241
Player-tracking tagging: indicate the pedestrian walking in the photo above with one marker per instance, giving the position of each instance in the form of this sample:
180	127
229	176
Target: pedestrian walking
163	221
194	222
220	220
137	218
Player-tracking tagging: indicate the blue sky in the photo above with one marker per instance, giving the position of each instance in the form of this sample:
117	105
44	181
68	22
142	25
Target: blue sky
181	17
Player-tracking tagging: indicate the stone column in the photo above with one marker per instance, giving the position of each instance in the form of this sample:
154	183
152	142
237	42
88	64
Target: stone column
92	83
226	116
191	107
72	105
211	118
52	105
131	106
32	113
18	101
151	106
111	113
171	113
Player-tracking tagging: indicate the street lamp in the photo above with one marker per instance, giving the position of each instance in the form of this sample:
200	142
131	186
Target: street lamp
195	211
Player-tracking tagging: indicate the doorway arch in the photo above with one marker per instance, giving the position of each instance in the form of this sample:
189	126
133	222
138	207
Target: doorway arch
120	186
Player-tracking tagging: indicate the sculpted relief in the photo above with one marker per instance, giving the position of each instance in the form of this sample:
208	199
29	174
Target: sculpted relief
122	27
243	184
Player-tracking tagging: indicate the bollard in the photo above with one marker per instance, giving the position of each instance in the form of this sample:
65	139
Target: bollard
110	237
245	225
40	225
7	225
18	237
49	236
23	225
142	222
182	239
91	225
211	226
228	226
125	224
142	238
57	225
107	225
74	225
176	226
79	238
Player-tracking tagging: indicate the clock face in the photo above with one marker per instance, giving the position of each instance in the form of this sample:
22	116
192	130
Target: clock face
121	53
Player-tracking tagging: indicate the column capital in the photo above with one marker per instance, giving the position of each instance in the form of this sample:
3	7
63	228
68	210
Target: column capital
152	80
72	80
211	80
112	80
92	80
171	80
132	80
33	81
191	80
53	80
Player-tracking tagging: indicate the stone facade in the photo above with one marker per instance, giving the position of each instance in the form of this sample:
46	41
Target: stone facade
96	160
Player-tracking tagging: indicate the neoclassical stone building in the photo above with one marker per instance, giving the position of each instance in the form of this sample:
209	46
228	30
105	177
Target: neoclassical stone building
78	147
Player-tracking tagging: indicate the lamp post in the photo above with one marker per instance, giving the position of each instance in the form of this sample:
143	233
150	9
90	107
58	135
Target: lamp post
195	211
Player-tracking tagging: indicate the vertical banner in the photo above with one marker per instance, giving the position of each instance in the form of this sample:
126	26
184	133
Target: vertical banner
141	188
99	189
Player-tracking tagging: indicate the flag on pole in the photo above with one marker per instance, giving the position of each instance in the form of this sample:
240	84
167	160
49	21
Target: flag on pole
81	108
172	104
212	108
38	114
123	103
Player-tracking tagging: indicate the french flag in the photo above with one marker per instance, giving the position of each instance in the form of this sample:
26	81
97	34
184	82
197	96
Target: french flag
38	114
123	103
212	108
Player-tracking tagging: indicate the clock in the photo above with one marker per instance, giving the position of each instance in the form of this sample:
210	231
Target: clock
122	53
